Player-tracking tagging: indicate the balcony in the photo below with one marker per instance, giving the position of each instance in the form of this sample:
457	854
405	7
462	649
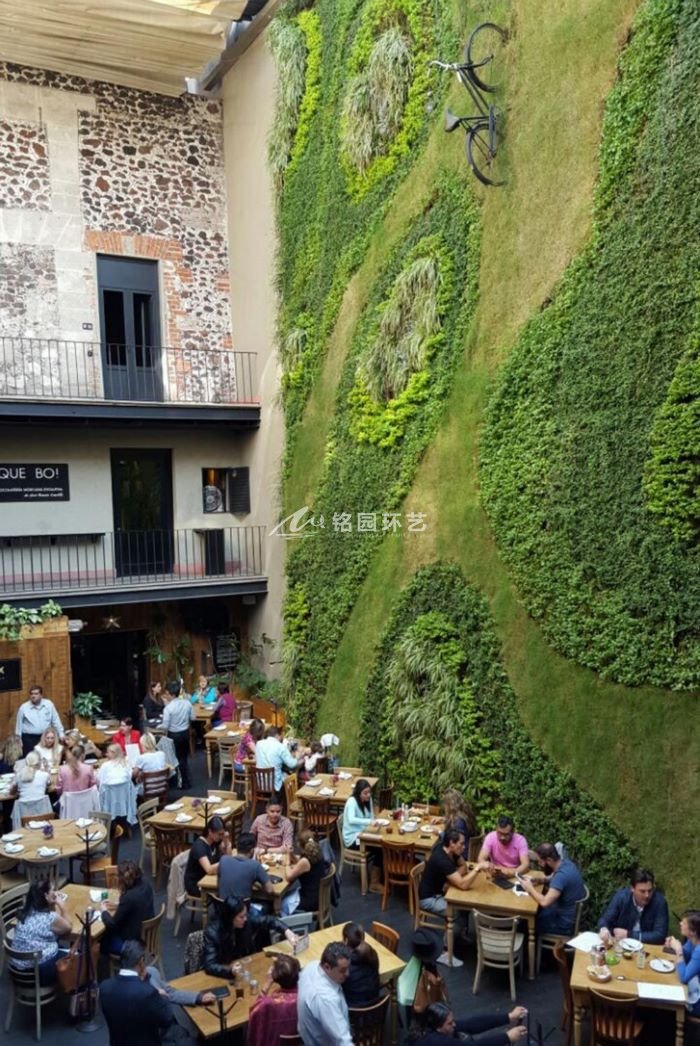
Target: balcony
89	382
132	566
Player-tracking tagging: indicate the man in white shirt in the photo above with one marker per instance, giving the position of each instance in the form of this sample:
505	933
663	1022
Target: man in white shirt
177	717
34	716
270	752
322	1011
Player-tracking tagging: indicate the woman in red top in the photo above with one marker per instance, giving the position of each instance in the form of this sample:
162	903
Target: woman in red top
126	735
274	1013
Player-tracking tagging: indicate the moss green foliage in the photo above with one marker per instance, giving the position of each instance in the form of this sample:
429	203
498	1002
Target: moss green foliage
326	215
440	638
672	476
393	376
569	427
366	477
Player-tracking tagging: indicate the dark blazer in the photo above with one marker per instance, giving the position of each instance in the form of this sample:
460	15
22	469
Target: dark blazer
362	985
136	1014
135	905
622	912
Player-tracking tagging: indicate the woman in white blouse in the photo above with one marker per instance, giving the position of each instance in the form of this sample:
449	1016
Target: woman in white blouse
115	769
31	780
49	750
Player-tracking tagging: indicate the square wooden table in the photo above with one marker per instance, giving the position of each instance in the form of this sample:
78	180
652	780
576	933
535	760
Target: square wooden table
342	790
206	1019
423	838
210	883
581	985
168	818
78	900
390	965
485	896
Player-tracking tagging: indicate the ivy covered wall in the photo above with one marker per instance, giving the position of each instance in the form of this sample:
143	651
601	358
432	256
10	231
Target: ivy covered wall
583	440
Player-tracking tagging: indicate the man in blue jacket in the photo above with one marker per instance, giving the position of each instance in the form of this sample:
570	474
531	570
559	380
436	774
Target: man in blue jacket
637	910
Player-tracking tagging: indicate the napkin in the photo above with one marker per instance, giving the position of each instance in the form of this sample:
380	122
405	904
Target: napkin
174	806
46	851
315	783
84	822
13	848
214	799
10	837
326	791
37	824
409	826
221	726
183	818
381	822
223	810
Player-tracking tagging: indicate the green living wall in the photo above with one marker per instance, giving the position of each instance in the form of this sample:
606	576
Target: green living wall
399	301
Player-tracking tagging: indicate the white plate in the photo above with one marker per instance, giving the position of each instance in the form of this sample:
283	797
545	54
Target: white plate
84	822
47	851
214	799
174	806
315	782
37	824
223	810
221	726
326	791
409	826
11	837
109	733
662	965
184	818
13	848
629	944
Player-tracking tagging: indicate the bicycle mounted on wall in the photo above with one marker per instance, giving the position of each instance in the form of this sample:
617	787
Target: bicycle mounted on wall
478	74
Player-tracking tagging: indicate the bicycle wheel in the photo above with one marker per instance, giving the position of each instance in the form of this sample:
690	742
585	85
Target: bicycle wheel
482	151
484	55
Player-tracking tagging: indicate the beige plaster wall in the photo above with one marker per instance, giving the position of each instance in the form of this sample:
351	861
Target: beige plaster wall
90	480
248	96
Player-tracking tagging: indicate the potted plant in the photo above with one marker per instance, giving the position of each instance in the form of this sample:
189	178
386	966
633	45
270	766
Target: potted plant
87	705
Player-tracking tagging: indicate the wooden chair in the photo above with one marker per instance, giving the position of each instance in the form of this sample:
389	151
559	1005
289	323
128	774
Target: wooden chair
430	920
367	1023
347	854
111	873
386	935
263	782
155	786
226	747
324	915
398	861
150	935
169	843
36	873
195	905
563	957
474	847
9	878
144	811
11	904
426	809
295	809
98	865
614	1020
385	799
498	945
319	817
104	818
37	817
550	940
25	987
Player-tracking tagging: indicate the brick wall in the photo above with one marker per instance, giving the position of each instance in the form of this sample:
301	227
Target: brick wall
88	167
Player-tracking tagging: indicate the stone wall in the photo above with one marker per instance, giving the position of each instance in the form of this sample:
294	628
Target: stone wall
88	167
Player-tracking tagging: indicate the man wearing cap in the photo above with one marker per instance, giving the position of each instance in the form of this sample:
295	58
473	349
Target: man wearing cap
34	717
564	887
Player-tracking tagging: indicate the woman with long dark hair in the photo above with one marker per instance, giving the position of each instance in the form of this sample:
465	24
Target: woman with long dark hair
233	932
42	921
358	814
135	904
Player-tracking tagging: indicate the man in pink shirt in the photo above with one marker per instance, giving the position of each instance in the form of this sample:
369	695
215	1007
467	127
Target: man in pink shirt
505	849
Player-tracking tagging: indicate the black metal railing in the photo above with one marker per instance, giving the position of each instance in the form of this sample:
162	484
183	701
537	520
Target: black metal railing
44	368
68	563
